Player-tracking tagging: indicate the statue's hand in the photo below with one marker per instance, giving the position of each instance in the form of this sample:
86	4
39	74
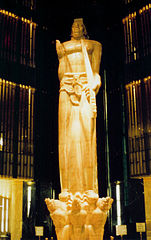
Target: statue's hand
93	87
87	92
90	95
96	83
60	49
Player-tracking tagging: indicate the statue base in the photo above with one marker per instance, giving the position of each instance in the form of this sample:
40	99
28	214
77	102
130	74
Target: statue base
79	216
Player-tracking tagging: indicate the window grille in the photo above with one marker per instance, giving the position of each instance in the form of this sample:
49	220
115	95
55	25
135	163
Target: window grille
16	117
138	96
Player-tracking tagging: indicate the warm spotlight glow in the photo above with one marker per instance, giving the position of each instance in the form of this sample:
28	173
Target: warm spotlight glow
1	142
6	219
29	183
16	17
145	8
130	16
118	204
2	220
8	13
53	194
28	200
14	84
135	56
137	82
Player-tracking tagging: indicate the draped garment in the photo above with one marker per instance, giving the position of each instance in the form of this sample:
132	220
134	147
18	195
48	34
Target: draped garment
77	136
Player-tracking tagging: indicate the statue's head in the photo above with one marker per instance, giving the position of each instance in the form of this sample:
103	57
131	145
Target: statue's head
78	29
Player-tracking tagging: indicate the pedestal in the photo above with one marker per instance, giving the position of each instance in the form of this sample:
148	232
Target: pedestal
79	216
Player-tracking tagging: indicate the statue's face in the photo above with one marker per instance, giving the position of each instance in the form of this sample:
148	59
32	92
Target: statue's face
77	30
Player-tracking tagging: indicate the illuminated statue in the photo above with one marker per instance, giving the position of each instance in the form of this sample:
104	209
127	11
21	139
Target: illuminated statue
79	214
77	110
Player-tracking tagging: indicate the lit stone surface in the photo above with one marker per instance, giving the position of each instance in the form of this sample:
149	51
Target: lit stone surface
12	189
16	210
77	127
147	197
79	213
79	216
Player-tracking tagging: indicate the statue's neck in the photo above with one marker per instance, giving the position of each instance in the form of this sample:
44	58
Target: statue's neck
72	38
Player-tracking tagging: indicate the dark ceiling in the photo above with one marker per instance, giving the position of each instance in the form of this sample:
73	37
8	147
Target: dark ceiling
98	16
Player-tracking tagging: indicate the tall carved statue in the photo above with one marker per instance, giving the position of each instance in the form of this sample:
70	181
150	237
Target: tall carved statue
79	213
77	122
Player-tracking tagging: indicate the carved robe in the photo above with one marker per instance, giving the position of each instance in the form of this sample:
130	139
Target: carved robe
77	129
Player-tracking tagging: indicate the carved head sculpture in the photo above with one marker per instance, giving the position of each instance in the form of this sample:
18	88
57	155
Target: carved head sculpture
78	29
76	205
104	203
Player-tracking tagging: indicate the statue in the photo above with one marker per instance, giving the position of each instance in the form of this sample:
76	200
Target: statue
79	214
77	126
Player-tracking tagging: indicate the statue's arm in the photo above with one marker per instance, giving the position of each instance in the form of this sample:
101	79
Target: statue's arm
96	56
61	52
60	49
96	60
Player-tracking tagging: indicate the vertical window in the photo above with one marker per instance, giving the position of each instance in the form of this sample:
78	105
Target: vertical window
24	121
145	19
25	132
139	126
118	204
8	35
4	211
137	45
147	83
131	38
7	97
28	30
11	37
28	200
24	41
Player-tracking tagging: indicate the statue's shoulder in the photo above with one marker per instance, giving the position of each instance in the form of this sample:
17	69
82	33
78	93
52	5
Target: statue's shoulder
74	43
96	43
93	42
67	43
